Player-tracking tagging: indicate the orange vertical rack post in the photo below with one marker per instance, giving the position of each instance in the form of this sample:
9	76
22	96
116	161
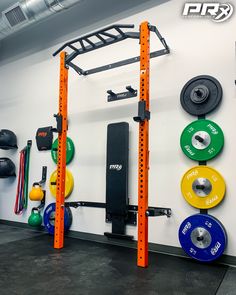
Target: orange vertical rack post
143	166
61	163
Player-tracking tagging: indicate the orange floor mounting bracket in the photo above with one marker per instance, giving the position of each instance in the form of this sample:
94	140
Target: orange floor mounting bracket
61	163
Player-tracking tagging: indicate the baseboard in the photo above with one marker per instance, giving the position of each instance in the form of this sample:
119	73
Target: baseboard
158	248
21	224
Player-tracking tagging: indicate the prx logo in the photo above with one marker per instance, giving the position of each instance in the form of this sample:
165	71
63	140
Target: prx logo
116	167
218	12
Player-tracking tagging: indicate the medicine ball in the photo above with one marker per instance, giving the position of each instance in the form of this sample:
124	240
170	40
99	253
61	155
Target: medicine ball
7	168
7	139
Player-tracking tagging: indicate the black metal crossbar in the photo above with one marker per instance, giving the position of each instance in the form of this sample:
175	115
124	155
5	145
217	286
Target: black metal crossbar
152	211
104	37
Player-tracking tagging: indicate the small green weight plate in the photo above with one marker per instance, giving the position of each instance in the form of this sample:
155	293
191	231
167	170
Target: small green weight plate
70	150
202	140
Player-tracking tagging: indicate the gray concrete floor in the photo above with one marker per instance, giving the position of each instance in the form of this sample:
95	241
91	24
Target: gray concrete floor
30	265
10	233
228	285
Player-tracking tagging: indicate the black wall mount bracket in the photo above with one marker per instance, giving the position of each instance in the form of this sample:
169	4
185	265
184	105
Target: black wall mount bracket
122	95
143	113
131	217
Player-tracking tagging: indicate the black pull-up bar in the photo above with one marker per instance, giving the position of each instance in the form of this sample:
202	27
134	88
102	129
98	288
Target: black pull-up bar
107	36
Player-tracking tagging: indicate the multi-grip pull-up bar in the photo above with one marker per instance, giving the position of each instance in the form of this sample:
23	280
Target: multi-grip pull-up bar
88	43
105	37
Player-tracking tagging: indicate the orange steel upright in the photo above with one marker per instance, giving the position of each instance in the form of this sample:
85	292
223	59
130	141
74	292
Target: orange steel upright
61	163
142	255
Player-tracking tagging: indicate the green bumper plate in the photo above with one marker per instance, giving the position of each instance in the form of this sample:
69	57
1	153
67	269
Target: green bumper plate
70	150
202	140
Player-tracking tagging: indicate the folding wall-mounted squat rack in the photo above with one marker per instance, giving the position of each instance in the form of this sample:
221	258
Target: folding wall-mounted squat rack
82	45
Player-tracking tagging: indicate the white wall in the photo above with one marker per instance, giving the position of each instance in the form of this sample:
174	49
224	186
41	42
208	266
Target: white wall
29	95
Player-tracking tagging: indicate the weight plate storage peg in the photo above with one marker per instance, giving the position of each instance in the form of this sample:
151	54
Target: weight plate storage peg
202	237
69	185
202	140
203	187
49	218
70	150
201	95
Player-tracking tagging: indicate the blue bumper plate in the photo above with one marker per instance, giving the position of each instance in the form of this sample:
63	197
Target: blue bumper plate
202	237
49	218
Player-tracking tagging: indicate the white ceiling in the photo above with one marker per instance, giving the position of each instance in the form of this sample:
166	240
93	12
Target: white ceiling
6	3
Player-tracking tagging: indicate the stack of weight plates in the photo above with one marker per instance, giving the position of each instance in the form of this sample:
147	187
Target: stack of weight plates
49	213
202	236
70	150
